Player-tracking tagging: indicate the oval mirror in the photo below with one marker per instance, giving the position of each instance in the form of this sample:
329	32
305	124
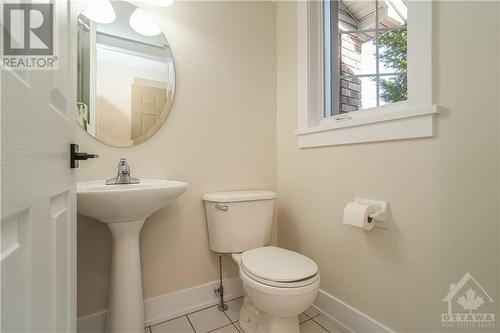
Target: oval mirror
126	75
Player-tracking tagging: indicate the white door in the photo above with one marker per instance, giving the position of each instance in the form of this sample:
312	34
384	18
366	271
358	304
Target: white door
148	104
38	225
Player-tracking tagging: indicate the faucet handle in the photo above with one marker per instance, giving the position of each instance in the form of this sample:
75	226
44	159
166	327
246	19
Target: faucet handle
122	163
123	175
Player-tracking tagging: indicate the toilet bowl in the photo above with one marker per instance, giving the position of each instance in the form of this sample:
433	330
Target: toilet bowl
280	296
279	284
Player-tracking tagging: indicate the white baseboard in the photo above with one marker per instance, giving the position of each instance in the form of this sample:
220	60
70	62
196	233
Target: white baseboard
168	306
179	303
346	318
93	323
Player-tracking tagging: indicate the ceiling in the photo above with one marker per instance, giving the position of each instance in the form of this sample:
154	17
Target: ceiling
360	15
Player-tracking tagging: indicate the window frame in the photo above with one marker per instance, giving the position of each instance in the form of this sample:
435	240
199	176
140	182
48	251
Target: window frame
412	118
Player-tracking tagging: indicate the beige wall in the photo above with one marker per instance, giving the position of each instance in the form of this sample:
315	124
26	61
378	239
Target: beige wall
220	135
443	191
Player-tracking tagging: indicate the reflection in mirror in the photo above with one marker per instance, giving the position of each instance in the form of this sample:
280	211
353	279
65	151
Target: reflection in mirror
126	77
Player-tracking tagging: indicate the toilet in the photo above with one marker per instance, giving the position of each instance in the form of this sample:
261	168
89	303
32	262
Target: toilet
279	284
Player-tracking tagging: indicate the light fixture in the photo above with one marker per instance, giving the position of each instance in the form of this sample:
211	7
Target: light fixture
160	3
101	11
143	24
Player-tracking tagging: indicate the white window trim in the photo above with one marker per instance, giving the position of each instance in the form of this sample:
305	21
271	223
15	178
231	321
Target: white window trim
404	120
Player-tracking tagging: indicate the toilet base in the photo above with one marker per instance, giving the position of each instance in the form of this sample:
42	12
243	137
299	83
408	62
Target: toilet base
279	325
253	320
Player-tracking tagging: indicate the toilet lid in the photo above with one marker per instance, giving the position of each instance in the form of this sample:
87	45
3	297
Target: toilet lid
276	264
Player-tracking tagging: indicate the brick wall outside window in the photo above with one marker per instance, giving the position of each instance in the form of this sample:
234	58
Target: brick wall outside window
350	61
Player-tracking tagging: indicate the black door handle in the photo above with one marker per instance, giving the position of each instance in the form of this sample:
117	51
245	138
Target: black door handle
76	155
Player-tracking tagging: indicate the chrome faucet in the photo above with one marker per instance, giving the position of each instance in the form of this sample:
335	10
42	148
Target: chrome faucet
123	176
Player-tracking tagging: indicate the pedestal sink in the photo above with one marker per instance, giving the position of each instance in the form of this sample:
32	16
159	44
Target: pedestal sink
124	208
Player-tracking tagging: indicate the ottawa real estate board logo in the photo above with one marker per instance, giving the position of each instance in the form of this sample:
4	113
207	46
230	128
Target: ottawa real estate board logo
466	299
29	36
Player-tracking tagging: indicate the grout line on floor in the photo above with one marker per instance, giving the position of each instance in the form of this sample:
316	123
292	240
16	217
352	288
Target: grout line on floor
190	323
228	317
166	321
308	316
311	317
208	307
233	323
320	324
305	321
218	328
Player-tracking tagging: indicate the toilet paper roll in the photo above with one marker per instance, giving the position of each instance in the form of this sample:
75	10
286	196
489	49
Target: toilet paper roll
356	214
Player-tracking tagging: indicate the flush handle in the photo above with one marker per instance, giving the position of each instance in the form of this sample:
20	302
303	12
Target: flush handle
222	207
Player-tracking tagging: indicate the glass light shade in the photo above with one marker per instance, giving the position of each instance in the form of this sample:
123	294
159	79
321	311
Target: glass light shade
143	24
160	3
101	11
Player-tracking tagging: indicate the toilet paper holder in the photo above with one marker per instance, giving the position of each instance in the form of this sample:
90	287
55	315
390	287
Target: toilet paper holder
379	217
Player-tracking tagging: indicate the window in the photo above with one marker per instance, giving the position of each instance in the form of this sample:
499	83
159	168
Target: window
362	63
365	54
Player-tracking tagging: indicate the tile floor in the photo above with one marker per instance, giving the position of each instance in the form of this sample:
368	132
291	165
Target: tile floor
215	321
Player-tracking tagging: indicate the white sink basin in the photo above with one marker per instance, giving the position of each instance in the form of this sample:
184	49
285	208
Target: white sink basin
124	209
126	202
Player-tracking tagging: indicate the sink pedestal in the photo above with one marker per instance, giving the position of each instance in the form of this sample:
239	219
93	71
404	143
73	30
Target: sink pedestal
126	309
124	208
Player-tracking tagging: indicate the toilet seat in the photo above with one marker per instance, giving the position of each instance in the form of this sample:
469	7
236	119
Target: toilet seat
274	266
294	284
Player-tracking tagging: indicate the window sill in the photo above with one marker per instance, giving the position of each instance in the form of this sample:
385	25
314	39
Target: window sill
394	122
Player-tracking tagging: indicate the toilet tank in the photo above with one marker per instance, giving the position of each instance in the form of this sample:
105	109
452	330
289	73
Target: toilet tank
239	220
